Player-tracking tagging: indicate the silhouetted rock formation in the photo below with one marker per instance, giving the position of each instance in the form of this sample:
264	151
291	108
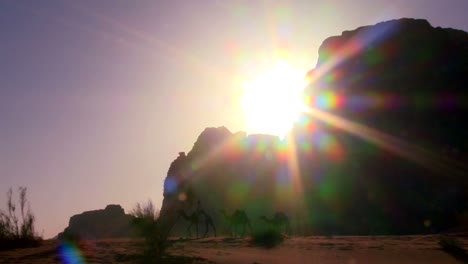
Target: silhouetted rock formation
408	80
111	222
384	150
401	76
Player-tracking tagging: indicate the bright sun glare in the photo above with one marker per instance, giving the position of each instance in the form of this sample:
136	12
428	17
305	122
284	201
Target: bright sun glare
273	100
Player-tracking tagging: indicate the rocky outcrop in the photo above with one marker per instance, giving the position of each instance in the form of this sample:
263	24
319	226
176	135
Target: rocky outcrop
403	77
111	222
388	157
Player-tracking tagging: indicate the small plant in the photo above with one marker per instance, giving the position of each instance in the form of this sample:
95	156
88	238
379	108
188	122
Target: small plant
268	238
17	227
145	211
146	224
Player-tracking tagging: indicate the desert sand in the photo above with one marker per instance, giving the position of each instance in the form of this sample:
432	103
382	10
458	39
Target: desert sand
311	249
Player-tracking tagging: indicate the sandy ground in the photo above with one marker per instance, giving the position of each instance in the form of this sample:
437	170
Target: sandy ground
312	249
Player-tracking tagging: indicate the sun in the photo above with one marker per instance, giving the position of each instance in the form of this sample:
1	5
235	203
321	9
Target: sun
272	101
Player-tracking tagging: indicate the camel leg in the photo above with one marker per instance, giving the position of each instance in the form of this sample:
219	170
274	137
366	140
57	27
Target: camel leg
206	230
189	230
214	229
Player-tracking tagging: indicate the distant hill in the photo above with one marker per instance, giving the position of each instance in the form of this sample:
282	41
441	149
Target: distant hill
383	152
111	222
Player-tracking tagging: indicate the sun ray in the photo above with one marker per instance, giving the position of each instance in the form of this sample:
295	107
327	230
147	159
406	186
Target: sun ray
351	47
299	204
417	154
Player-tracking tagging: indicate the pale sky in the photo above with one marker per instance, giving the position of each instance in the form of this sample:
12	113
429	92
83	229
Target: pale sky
98	97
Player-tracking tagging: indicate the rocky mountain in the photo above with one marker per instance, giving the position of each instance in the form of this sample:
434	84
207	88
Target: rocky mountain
111	222
383	149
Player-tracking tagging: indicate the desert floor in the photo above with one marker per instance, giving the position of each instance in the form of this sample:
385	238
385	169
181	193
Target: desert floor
311	249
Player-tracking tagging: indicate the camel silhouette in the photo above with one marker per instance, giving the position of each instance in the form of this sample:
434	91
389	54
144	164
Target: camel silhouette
208	222
280	220
237	221
193	218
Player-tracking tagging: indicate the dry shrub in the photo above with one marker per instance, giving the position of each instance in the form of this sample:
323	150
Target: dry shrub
268	238
17	226
146	224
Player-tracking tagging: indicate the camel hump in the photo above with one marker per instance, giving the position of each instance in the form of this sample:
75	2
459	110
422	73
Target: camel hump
281	216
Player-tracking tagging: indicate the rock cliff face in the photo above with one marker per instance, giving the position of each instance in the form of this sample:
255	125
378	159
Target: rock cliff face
110	222
384	150
401	76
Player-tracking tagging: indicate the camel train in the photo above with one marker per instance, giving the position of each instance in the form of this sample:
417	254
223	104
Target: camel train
238	223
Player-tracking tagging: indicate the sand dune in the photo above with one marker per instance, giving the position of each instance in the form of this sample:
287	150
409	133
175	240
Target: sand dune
312	249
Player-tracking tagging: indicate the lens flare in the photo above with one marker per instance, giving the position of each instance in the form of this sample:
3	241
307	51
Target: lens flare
272	102
69	253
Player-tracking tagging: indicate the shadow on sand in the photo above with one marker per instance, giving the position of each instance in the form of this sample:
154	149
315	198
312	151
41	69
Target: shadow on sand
453	247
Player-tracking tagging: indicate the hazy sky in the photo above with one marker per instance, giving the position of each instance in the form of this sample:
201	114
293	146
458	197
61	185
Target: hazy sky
98	97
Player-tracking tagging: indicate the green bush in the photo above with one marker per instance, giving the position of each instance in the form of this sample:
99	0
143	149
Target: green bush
268	238
17	227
